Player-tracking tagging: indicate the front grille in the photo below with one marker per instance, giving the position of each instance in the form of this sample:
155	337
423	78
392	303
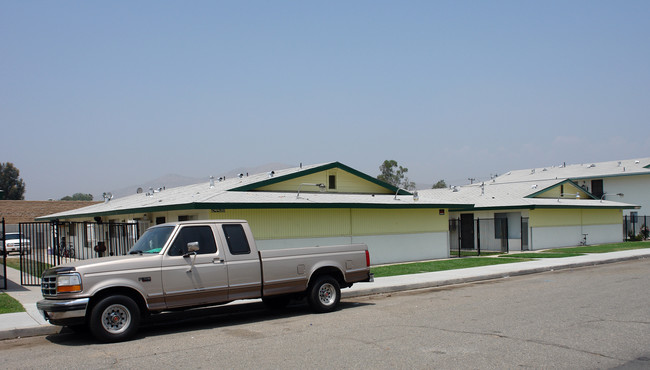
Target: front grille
48	286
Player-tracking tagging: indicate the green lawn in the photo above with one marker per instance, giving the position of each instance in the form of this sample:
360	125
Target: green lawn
602	248
9	305
442	265
461	263
541	255
36	268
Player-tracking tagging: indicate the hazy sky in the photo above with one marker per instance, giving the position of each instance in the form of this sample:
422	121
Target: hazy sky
95	96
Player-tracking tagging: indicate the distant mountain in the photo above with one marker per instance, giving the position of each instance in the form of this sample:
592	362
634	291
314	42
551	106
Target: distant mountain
173	180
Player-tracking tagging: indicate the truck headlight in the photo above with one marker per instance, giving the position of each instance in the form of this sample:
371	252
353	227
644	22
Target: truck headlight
68	283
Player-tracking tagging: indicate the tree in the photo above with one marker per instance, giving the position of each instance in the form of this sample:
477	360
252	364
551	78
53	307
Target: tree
395	175
78	196
439	185
11	185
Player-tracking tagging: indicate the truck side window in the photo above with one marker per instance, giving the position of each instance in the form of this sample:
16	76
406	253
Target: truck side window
201	234
236	237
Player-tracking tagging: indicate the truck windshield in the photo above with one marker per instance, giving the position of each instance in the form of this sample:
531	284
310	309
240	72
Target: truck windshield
152	241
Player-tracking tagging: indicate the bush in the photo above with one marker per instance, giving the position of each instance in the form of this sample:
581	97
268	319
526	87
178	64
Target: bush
645	232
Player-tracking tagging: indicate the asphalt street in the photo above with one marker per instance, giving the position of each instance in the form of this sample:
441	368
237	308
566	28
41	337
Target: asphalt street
582	318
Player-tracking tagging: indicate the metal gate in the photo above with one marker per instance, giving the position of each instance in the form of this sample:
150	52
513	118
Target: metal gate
54	243
487	235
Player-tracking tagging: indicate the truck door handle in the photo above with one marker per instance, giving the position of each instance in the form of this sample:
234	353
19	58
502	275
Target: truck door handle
217	260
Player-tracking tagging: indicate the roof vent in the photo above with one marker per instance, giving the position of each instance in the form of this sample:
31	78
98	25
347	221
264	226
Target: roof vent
619	164
532	171
534	186
211	182
592	165
271	174
107	197
455	189
636	162
241	175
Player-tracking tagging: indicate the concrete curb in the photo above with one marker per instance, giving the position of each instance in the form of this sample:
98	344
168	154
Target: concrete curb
33	331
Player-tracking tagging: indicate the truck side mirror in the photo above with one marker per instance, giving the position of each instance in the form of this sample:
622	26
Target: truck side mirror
193	247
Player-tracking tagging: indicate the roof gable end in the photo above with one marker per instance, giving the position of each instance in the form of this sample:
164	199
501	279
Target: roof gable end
562	190
318	174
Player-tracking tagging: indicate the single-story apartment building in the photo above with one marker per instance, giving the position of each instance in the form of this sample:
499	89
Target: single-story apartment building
324	204
517	213
625	180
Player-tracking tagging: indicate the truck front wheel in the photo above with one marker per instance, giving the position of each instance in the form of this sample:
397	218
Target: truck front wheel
114	319
324	294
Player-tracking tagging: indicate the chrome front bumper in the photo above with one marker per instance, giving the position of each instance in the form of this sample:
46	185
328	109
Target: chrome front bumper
63	312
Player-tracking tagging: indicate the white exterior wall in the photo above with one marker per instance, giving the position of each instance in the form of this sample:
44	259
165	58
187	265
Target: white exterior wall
636	190
383	248
570	236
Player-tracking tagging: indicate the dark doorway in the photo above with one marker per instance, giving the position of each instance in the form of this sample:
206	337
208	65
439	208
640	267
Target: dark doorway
467	231
597	188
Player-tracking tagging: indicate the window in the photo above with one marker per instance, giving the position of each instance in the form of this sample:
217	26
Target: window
332	181
160	220
185	218
193	234
236	237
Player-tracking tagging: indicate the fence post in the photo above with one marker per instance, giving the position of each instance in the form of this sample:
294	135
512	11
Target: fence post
459	227
478	237
4	256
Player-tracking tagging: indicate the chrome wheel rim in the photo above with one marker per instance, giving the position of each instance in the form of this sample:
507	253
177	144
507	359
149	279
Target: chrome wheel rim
327	294
116	318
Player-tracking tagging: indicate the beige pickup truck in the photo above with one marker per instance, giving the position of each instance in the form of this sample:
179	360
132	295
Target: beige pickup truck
192	264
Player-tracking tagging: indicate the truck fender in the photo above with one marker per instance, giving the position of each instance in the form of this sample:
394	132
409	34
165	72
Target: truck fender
328	267
120	286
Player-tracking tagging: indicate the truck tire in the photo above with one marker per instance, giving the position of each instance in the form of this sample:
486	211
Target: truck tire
324	294
114	318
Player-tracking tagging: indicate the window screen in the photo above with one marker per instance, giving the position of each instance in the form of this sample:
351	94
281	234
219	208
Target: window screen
189	234
236	237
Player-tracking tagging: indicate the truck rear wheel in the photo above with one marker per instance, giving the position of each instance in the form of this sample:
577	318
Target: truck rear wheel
324	294
114	319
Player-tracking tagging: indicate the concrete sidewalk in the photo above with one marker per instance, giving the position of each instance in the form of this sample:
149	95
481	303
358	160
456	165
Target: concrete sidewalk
31	323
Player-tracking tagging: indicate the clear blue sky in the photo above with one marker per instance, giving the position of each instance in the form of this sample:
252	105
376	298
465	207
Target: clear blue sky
95	96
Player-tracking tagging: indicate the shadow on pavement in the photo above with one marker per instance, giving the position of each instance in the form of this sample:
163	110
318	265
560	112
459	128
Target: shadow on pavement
173	322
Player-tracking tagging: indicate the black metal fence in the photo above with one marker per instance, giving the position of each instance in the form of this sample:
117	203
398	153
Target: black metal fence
54	243
635	227
3	278
486	235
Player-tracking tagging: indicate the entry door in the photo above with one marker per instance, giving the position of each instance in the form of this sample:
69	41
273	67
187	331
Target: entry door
467	231
194	278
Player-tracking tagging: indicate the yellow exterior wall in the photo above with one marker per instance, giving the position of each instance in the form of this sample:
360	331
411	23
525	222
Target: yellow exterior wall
574	217
602	217
345	183
317	223
397	221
